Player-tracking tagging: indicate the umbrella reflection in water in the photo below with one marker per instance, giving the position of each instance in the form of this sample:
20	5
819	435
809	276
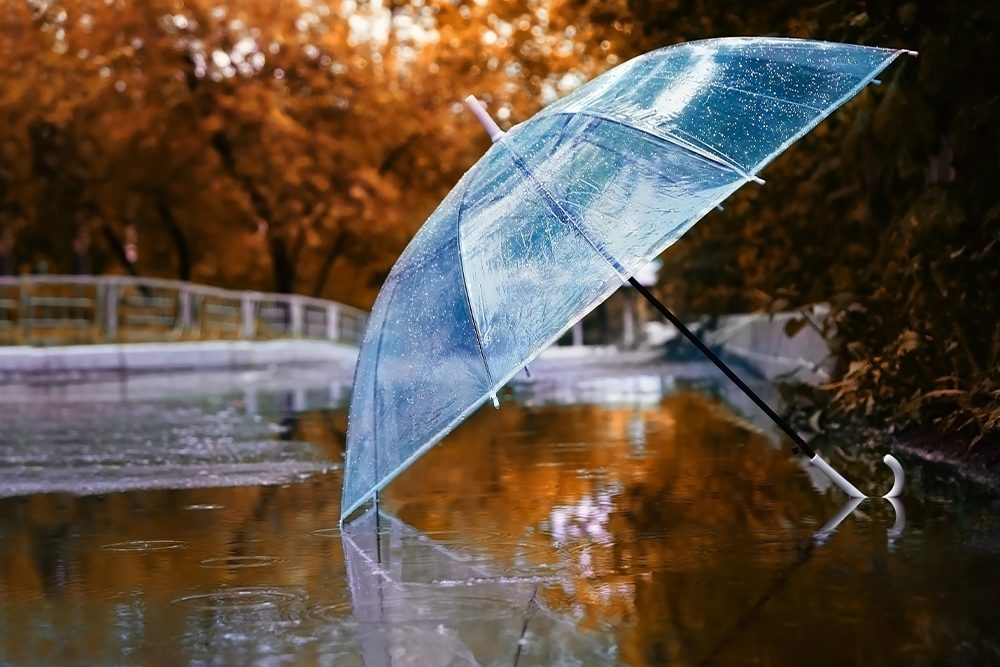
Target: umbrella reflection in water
415	602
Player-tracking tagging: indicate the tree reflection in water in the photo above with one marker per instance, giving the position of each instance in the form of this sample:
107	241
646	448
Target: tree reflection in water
656	529
670	533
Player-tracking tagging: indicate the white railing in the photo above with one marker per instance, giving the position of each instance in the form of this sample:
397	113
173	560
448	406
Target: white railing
61	310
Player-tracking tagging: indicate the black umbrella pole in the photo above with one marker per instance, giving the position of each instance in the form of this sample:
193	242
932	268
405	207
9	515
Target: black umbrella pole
704	349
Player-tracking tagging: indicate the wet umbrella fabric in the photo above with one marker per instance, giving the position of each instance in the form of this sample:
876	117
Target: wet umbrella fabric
561	211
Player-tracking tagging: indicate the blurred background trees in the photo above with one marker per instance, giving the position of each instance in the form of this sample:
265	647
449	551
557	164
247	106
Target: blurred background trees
889	211
297	146
290	146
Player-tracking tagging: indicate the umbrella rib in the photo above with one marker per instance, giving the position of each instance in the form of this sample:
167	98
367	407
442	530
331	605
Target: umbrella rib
754	93
712	156
375	392
565	216
468	298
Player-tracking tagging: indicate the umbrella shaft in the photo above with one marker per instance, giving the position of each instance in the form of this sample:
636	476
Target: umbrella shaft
704	349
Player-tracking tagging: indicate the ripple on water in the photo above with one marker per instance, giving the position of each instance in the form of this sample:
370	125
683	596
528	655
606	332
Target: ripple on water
251	620
203	507
242	598
240	561
145	546
327	532
466	536
490	551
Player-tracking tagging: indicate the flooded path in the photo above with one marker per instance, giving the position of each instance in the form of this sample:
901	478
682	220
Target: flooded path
599	520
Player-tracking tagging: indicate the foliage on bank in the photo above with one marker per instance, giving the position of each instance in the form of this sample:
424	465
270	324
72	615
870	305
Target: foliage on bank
890	211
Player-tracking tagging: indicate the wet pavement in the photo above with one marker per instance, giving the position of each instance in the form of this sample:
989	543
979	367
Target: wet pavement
597	518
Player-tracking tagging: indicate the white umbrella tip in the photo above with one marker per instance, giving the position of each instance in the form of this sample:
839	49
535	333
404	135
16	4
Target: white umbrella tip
478	110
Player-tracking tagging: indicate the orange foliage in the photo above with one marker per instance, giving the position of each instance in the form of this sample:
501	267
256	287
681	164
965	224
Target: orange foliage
285	146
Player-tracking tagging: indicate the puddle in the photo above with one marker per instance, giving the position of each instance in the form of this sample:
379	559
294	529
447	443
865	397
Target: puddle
644	533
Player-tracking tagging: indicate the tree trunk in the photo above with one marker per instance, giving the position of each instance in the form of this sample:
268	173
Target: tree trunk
6	248
118	250
81	246
332	254
282	264
180	241
6	231
283	269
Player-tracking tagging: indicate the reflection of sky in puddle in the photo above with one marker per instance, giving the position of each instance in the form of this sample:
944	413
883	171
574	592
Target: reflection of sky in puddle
631	530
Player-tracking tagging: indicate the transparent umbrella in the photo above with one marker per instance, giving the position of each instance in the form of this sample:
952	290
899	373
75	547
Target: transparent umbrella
562	210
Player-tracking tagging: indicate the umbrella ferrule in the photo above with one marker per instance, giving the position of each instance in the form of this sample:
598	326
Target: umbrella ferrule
478	110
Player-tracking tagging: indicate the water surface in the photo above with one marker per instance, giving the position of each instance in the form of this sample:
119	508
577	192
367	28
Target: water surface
195	521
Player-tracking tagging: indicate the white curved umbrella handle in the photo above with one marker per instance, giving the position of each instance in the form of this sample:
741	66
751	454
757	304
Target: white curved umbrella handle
899	477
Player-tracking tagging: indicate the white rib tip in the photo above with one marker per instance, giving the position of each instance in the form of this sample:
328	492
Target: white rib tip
718	207
876	82
910	53
478	110
758	180
496	401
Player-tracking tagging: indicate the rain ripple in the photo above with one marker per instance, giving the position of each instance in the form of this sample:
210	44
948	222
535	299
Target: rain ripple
145	546
240	561
242	598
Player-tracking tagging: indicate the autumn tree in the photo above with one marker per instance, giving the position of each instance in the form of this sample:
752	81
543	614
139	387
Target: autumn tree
270	145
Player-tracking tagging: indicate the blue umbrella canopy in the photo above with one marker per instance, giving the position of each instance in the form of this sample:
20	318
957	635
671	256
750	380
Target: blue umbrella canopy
559	212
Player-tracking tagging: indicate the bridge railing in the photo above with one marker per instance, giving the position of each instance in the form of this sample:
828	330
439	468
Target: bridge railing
65	310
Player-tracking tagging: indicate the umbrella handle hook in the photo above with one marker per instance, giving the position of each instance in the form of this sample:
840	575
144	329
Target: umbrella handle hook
898	477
